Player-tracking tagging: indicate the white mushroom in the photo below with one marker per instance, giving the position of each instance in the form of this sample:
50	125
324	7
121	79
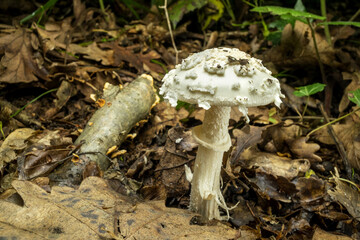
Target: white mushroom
225	77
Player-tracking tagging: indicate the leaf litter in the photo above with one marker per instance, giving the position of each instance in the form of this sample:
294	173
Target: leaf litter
286	186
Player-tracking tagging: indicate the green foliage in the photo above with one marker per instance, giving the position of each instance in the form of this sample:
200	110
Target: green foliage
287	13
354	96
39	12
189	107
33	100
1	130
309	89
182	7
217	12
341	23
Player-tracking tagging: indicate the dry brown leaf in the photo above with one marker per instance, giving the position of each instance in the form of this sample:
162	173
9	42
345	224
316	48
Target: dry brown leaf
245	138
281	134
310	190
45	151
297	48
137	60
269	186
13	144
171	165
349	197
163	115
320	234
355	84
91	211
93	52
296	103
277	166
19	64
349	135
302	149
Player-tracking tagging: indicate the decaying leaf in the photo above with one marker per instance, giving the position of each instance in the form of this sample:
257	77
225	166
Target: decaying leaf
278	188
93	52
19	64
354	84
277	166
303	149
92	210
349	134
346	195
13	144
320	234
164	115
137	60
297	48
280	135
310	190
171	165
245	138
45	151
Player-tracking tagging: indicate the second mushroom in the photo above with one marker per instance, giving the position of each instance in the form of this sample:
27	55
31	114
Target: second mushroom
217	79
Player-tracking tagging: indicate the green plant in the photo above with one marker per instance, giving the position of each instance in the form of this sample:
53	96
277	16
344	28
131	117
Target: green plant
33	100
1	130
307	91
290	15
39	12
255	5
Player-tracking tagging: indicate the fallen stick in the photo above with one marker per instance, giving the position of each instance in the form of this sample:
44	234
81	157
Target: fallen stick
109	127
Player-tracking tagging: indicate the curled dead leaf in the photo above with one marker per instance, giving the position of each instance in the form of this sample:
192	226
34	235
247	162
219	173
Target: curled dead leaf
302	149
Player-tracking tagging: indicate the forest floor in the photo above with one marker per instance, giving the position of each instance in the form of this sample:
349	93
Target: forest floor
284	180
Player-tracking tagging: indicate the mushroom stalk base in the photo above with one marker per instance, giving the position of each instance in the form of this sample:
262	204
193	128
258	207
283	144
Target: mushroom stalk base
213	139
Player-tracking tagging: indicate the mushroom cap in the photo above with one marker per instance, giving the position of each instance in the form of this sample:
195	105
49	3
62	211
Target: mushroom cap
221	77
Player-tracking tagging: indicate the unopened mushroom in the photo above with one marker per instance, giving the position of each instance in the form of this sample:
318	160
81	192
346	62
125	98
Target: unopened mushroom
217	79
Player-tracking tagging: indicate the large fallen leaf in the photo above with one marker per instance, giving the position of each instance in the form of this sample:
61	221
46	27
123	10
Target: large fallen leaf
19	64
95	211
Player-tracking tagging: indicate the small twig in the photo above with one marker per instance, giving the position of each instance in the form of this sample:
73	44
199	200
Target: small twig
321	65
176	166
339	145
305	117
170	31
329	123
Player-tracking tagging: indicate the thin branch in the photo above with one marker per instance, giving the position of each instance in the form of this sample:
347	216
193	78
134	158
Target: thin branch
339	145
170	31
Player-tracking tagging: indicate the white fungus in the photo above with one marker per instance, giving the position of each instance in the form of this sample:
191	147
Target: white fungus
217	79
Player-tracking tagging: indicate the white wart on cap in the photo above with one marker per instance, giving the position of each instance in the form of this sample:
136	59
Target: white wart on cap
221	77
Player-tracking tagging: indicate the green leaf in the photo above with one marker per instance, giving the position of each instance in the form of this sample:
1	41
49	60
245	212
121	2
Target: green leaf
282	11
354	96
341	23
182	7
299	6
218	7
309	89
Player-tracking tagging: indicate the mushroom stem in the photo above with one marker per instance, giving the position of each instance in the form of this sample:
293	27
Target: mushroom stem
214	139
